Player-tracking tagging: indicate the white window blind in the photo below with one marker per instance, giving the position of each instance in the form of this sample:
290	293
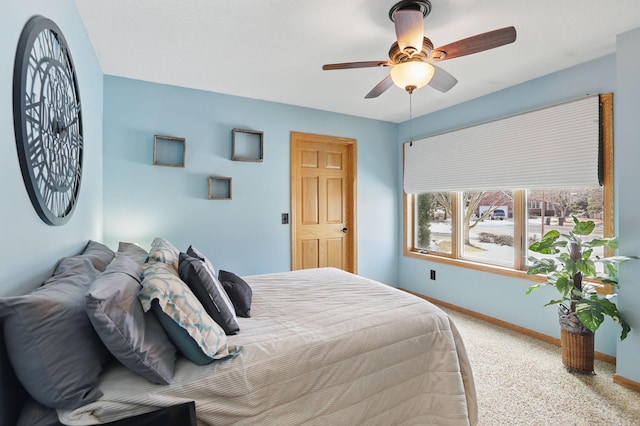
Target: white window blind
553	147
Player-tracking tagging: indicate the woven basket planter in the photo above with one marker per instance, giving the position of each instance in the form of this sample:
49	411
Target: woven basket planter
577	351
577	344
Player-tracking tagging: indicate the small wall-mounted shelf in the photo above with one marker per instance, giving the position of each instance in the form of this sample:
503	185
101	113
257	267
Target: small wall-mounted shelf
169	151
247	145
219	188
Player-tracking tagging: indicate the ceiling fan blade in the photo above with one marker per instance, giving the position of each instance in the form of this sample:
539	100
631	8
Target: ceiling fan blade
442	80
349	65
475	44
380	88
409	30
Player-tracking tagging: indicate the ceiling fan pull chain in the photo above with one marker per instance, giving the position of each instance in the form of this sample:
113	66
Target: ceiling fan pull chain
410	119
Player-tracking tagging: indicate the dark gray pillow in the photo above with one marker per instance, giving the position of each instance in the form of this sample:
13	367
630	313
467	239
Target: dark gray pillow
209	292
194	252
99	254
136	339
133	251
54	350
239	292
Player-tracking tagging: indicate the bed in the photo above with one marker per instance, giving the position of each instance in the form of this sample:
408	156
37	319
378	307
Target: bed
322	346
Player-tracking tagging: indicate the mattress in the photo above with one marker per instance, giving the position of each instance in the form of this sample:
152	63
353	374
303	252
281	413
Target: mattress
322	347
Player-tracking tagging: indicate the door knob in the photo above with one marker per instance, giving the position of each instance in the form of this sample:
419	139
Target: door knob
345	230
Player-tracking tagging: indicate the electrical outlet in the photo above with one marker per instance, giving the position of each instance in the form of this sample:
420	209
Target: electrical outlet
433	274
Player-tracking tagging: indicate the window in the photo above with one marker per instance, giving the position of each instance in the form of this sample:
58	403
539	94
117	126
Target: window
493	228
433	222
487	227
559	206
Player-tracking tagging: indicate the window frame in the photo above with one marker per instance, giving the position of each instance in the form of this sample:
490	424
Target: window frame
519	269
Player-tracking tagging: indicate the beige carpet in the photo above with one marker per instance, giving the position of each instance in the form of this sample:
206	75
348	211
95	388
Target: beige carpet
521	381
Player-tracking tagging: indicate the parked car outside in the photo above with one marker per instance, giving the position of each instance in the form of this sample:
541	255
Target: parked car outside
498	214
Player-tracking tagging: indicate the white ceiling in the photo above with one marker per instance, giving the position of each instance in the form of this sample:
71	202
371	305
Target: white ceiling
274	49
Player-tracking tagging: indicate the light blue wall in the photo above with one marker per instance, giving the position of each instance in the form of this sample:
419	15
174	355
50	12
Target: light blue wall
627	135
503	297
30	248
243	235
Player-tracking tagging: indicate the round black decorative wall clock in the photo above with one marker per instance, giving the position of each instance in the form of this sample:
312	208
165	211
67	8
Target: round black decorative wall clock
47	120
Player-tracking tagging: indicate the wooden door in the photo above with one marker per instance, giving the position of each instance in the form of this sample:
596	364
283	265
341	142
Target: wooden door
323	200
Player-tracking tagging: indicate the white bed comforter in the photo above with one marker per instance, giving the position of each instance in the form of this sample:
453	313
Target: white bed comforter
323	347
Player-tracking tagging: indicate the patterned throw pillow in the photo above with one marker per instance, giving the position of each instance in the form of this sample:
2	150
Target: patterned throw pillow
188	325
165	252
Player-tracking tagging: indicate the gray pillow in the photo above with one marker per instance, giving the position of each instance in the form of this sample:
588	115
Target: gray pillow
209	292
54	350
136	339
133	251
99	254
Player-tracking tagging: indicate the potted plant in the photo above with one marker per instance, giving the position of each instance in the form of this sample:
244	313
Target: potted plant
570	267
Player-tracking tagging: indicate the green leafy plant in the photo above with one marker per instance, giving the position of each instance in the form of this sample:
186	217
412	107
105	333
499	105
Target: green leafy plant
572	271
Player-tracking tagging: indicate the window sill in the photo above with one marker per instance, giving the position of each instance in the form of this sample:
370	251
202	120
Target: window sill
494	269
484	267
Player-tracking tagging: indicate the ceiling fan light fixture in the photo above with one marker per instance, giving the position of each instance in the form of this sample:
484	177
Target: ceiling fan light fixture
412	75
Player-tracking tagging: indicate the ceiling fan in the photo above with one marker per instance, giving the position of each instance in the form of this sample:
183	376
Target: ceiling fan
411	57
